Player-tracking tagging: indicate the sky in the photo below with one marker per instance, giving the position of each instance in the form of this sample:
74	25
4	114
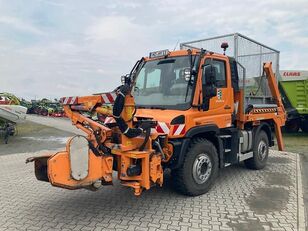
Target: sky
55	48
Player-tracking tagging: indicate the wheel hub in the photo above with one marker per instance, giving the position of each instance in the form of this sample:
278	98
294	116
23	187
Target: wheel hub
262	149
202	168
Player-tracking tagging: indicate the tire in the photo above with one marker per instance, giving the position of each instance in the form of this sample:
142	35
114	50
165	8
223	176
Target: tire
44	113
6	134
199	169
260	152
13	131
304	126
292	126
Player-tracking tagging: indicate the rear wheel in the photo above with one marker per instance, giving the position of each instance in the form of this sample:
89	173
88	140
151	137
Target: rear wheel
199	169
260	152
304	126
292	126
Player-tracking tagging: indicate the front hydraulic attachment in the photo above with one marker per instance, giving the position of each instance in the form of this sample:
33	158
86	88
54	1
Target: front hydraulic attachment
130	147
76	167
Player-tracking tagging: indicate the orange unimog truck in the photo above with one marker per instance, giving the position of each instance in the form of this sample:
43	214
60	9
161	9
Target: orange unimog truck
192	111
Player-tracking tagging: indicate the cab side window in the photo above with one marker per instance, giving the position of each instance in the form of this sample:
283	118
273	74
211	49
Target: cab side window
220	65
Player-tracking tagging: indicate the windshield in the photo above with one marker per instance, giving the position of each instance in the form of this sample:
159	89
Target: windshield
161	84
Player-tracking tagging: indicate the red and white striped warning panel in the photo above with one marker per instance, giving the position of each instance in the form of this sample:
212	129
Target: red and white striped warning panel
68	100
178	129
163	127
109	120
109	97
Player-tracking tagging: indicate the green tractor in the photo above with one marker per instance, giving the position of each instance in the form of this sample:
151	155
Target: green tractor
38	108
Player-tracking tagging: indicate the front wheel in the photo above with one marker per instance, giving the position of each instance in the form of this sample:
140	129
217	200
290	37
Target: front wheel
260	152
199	169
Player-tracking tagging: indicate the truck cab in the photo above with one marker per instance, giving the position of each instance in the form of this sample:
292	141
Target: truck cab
199	91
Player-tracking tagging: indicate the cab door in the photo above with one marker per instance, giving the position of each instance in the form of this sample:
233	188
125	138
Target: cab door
217	91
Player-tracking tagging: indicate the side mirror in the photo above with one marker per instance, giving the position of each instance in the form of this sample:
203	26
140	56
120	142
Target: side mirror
209	91
209	75
208	81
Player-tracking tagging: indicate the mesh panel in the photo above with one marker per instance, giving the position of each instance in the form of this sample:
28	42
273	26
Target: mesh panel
212	44
250	54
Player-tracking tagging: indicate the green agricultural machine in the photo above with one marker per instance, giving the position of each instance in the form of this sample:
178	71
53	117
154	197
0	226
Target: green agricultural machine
37	108
294	91
46	107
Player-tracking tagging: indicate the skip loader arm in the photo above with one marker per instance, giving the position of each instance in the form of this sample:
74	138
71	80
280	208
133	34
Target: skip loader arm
281	113
272	82
274	112
88	161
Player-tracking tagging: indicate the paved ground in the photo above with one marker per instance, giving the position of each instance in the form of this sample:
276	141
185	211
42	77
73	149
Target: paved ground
304	168
240	200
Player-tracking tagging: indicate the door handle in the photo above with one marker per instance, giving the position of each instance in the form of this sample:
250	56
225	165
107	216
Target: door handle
227	107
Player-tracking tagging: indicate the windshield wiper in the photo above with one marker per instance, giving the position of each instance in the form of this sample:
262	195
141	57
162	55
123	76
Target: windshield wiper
192	70
192	63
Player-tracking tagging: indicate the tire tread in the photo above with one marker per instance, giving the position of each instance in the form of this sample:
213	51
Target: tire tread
253	163
179	174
